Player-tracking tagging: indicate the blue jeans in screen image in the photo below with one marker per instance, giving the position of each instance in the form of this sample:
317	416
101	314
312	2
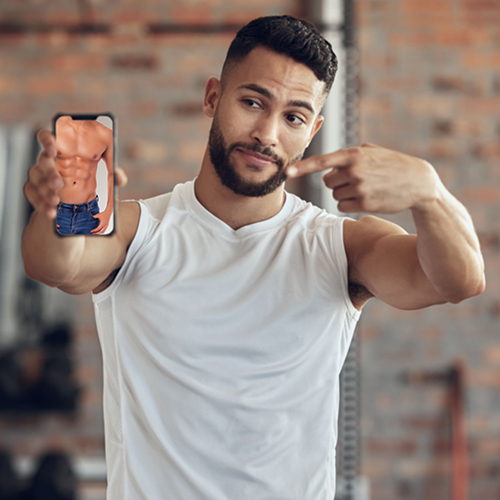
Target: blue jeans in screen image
77	219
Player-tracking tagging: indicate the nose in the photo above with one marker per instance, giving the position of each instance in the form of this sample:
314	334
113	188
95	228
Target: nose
265	131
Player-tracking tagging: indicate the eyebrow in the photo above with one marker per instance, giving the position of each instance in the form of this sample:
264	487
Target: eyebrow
266	93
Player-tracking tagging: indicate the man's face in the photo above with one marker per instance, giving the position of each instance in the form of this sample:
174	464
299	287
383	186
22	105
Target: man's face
262	121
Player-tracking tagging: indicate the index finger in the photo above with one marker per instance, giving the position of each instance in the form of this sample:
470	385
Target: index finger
47	140
317	163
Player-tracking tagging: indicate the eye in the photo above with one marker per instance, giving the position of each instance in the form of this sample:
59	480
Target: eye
294	119
251	103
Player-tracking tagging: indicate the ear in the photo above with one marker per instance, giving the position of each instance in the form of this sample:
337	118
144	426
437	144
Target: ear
212	95
317	125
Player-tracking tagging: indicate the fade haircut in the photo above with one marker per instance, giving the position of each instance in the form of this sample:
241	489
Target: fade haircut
288	36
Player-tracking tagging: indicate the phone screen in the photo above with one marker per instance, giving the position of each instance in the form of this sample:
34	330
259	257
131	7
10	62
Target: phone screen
85	160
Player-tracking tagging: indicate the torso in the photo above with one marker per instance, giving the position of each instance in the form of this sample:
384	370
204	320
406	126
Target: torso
80	146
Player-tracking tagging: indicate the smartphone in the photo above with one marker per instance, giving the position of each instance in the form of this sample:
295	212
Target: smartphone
85	159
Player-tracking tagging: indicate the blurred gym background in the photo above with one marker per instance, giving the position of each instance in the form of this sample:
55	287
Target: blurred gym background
420	390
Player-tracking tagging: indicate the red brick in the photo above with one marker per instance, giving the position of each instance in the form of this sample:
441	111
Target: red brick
410	39
489	239
422	468
490	150
8	85
427	7
191	16
455	37
429	105
486	194
399	84
146	109
192	152
11	110
135	62
484	378
392	447
475	60
39	87
136	15
455	83
426	423
147	150
162	176
81	63
12	40
444	148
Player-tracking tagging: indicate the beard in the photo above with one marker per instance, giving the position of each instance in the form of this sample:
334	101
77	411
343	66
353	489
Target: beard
220	156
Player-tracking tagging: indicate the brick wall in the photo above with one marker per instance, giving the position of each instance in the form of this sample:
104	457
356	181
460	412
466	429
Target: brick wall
430	87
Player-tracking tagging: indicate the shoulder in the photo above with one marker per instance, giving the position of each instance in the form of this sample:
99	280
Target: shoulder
309	215
158	205
102	129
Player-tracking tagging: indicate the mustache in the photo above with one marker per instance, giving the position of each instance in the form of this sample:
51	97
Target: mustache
256	148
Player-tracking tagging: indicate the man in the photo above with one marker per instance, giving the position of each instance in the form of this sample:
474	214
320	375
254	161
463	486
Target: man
81	144
225	308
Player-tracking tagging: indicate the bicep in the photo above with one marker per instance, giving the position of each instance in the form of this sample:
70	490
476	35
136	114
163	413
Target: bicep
383	258
108	158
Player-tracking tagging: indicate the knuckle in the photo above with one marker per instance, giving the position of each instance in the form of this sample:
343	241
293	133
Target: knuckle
363	205
32	173
356	173
366	205
322	163
361	188
355	152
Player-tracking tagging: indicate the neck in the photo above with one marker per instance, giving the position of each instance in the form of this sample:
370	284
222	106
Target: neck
234	209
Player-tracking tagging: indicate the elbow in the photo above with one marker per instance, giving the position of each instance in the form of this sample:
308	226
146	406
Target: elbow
46	280
53	277
468	291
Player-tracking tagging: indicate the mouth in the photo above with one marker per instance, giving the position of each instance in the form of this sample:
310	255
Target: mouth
255	158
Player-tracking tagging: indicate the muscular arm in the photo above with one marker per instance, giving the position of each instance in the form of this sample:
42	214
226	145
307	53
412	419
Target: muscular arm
75	264
412	271
442	263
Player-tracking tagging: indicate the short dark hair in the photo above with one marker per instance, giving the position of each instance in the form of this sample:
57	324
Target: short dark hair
288	36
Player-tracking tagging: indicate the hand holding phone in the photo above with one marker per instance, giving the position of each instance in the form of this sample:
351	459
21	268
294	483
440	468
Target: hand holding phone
44	180
85	161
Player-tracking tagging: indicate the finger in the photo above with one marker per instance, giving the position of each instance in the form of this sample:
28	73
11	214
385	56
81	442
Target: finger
121	178
338	177
47	186
99	229
349	206
47	140
346	192
341	158
38	202
40	194
47	168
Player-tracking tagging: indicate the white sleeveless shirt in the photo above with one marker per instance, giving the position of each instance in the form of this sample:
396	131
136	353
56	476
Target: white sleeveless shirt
222	350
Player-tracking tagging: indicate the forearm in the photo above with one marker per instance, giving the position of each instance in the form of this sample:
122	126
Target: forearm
109	205
47	257
448	248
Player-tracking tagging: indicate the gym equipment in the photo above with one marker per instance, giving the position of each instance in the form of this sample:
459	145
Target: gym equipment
53	480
